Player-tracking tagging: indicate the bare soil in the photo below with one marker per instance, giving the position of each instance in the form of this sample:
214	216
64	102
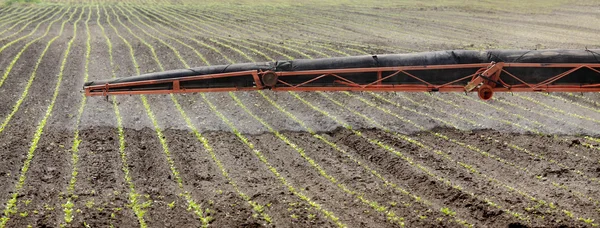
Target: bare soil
426	160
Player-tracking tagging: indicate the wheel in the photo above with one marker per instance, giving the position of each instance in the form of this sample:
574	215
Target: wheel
269	79
485	92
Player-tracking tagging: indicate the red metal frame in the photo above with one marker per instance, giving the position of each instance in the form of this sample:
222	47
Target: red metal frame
485	80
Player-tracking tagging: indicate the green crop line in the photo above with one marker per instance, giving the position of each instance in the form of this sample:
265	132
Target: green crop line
359	51
502	25
12	12
387	183
163	42
141	40
139	209
462	164
457	107
327	18
531	154
257	43
251	17
22	18
403	137
409	160
263	47
280	20
264	160
548	107
145	43
29	22
552	161
11	205
441	110
202	214
443	154
389	214
223	42
68	206
425	114
259	209
15	16
549	116
10	2
310	43
215	40
18	55
25	92
25	36
170	37
190	35
517	106
262	44
464	20
561	165
596	103
573	102
243	54
337	148
519	116
288	43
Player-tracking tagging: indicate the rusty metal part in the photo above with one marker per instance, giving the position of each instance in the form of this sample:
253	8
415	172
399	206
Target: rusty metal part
485	92
485	79
269	78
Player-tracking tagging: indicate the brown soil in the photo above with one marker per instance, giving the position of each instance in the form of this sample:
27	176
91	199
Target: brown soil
490	173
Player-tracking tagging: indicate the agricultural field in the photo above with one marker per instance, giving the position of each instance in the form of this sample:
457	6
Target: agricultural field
297	159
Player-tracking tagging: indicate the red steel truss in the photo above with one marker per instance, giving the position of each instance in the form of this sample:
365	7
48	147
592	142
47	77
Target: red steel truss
485	79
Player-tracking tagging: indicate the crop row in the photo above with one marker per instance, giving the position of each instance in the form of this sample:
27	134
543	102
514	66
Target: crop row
25	92
256	207
68	206
184	62
19	17
11	206
21	38
182	27
534	156
477	149
283	138
22	19
201	213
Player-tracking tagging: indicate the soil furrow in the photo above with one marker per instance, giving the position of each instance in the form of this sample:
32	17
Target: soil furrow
343	173
15	143
12	205
471	168
440	178
149	169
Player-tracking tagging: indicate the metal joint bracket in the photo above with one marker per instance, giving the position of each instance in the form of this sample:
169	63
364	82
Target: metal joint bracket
486	81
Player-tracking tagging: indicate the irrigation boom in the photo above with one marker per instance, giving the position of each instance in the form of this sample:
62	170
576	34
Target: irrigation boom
484	72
